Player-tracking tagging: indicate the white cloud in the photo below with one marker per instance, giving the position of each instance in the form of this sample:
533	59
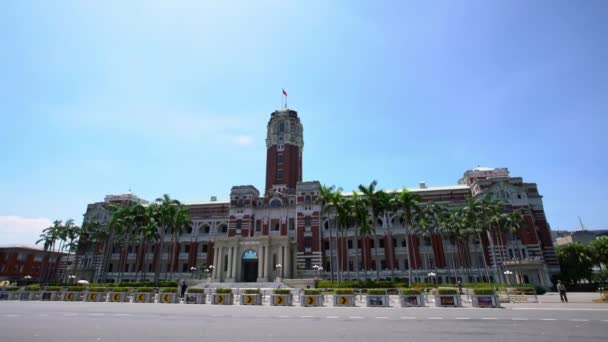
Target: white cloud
21	230
244	140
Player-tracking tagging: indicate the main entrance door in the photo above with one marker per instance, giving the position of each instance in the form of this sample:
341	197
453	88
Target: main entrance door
250	266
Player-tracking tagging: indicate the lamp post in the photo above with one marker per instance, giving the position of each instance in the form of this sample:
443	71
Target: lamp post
432	275
209	271
507	273
192	269
27	279
71	278
318	269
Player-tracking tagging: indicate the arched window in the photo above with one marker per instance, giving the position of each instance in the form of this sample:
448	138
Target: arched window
307	199
189	230
223	228
239	223
275	203
281	127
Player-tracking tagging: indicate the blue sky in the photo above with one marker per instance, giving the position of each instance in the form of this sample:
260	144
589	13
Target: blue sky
173	97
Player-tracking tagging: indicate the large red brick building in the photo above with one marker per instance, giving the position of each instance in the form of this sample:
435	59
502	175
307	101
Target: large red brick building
18	262
281	233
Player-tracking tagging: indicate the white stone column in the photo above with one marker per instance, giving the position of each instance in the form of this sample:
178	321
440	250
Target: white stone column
235	258
282	260
220	266
215	259
287	266
229	273
260	261
266	263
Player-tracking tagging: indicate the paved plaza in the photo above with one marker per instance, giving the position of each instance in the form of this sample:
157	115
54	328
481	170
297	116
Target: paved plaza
82	321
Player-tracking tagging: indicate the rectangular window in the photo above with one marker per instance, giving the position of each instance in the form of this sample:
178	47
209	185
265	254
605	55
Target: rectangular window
110	267
204	247
225	263
359	244
185	268
308	264
38	258
279	174
382	264
350	244
371	243
22	257
381	243
292	223
258	225
351	266
308	242
524	253
186	248
307	221
404	243
326	245
394	242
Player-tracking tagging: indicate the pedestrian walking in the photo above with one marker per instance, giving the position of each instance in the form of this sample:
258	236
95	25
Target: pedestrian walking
562	291
184	287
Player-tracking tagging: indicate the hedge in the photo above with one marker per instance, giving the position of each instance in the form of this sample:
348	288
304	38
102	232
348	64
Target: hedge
97	289
312	292
411	291
376	291
220	290
447	291
146	289
251	291
168	289
12	288
344	291
120	289
76	288
196	290
53	288
359	284
32	288
484	291
281	291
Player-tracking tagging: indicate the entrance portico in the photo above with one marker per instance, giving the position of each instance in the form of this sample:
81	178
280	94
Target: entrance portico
252	259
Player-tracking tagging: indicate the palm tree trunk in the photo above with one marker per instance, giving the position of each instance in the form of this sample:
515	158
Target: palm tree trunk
331	252
483	257
159	257
358	256
376	259
408	240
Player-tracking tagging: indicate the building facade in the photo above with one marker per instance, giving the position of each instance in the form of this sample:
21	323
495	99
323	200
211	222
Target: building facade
255	237
20	263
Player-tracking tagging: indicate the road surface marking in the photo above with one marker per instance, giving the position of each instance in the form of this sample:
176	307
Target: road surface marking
70	314
96	314
560	309
44	315
605	320
332	316
519	319
122	315
383	317
548	319
489	318
283	316
462	318
307	316
408	317
355	317
12	315
578	320
435	317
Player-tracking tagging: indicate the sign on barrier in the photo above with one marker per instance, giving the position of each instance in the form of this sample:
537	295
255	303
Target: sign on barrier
343	300
311	300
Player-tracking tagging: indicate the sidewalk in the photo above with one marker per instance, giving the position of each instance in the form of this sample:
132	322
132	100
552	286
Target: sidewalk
573	297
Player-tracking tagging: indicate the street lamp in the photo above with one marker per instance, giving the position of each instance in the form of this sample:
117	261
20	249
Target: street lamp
209	272
318	269
507	273
192	269
432	275
71	278
278	267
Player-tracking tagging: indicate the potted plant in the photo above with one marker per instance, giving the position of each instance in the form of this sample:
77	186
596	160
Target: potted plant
485	298
222	296
281	297
195	296
377	297
447	297
168	295
411	297
52	293
311	297
30	292
251	297
144	295
344	297
95	294
119	294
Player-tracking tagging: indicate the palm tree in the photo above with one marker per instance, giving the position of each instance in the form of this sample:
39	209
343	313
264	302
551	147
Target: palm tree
325	197
366	229
47	238
408	203
474	219
344	217
181	222
508	223
373	199
454	228
388	203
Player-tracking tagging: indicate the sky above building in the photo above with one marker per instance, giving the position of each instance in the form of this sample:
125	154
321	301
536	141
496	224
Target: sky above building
173	97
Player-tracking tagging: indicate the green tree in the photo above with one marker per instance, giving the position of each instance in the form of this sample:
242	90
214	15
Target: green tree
373	200
365	228
476	220
324	199
575	261
599	251
408	203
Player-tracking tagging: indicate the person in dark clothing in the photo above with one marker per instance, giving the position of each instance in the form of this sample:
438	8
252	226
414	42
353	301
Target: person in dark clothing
562	291
184	287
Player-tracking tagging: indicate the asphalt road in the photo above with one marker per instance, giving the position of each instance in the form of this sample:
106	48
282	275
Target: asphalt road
64	321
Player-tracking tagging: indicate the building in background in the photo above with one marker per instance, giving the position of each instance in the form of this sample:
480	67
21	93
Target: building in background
280	232
19	261
581	236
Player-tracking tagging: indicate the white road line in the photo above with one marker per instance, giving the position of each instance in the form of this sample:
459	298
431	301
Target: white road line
307	316
407	317
489	318
70	314
605	320
462	318
331	317
96	314
122	314
44	315
561	309
355	317
382	317
435	317
578	320
519	319
12	315
283	316
548	319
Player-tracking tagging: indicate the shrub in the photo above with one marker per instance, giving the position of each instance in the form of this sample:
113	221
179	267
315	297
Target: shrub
251	291
196	290
447	291
540	290
146	289
76	288
422	285
344	291
97	289
120	289
484	291
521	290
359	284
168	284
376	291
12	288
281	291
168	289
312	292
53	288
220	290
411	291
32	288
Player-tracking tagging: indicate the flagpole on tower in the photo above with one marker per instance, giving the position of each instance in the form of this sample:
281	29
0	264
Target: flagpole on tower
284	98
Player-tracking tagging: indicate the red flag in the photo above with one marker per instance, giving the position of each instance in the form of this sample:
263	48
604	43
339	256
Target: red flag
284	92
